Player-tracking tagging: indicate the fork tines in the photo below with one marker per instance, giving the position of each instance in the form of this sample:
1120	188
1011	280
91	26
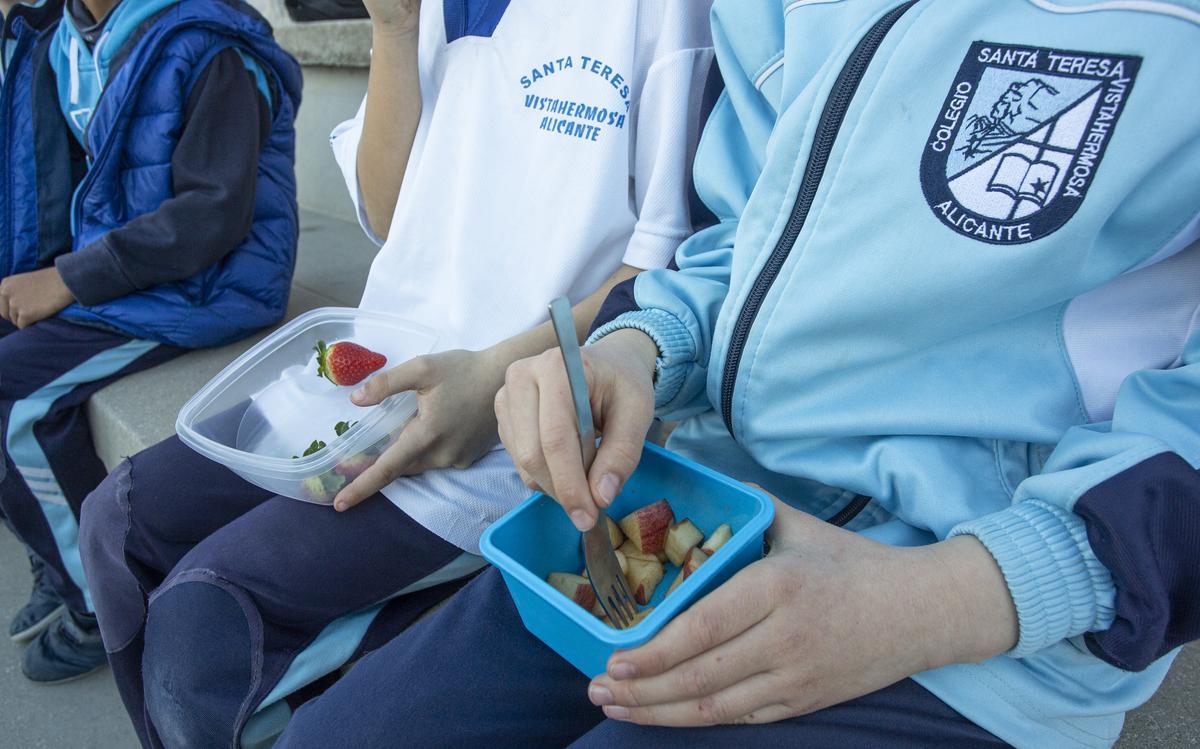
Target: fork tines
612	591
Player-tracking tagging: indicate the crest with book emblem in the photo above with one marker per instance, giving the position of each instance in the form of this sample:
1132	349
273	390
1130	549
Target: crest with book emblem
1020	138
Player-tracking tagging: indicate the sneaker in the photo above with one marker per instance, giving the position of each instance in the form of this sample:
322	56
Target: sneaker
43	608
70	649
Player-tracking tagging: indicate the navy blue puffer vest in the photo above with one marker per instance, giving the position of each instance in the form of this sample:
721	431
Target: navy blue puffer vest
39	164
132	136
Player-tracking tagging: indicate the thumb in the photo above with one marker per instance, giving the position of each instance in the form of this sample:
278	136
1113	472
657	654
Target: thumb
413	374
620	451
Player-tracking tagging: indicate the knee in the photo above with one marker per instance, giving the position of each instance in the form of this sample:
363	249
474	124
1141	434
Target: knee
117	595
132	508
198	666
104	520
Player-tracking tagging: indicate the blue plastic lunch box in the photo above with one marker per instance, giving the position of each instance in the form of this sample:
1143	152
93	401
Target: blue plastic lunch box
537	538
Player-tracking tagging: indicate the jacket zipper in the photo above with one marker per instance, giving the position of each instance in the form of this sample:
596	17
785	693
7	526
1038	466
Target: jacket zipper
828	127
852	510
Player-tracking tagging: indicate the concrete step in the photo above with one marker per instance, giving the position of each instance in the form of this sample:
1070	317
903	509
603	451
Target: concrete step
140	411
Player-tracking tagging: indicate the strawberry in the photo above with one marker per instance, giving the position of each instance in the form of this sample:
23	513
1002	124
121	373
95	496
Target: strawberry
346	363
352	468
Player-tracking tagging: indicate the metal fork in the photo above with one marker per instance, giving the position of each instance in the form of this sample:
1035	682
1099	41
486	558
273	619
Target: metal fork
603	570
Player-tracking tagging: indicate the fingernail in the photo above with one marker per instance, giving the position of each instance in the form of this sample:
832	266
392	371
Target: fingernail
581	520
622	670
339	506
599	695
616	712
609	486
358	396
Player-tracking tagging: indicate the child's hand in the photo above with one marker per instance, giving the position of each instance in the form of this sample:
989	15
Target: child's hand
537	421
771	643
27	298
455	423
394	15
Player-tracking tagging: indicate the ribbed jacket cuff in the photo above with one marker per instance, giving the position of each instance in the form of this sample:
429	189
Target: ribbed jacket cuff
93	274
676	348
1059	587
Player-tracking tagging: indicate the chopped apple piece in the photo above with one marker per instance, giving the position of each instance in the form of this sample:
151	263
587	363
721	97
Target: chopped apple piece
623	561
680	538
575	587
632	553
643	578
718	539
615	536
647	526
696	556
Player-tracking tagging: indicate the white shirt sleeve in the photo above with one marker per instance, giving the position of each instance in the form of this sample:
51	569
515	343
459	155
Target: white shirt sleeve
344	140
667	128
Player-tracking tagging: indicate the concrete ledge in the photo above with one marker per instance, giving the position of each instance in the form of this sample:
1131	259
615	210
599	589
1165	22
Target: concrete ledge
342	44
337	44
139	411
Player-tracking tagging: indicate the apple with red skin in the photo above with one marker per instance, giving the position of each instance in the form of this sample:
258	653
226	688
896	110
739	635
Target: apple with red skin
632	553
622	562
574	587
615	536
647	526
643	578
680	538
696	556
719	538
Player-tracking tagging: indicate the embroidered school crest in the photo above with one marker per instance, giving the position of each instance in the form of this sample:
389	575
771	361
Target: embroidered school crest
1019	140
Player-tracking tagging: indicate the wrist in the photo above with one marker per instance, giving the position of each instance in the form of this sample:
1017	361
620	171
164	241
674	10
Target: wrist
974	617
495	360
632	347
63	293
391	33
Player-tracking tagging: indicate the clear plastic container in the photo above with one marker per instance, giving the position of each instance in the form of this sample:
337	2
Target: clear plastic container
259	415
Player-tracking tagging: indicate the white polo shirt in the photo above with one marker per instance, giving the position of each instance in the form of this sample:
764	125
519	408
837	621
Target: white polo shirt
555	143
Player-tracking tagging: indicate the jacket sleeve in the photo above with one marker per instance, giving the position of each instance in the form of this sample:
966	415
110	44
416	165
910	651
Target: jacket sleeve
214	172
1105	540
678	306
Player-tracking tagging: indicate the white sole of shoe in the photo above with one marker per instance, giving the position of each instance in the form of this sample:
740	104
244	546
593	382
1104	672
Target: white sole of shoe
27	635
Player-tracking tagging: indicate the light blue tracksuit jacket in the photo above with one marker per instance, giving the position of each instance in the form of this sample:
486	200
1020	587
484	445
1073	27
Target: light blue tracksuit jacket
954	269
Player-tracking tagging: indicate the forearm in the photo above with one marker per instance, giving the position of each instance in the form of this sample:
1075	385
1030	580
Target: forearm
390	123
535	341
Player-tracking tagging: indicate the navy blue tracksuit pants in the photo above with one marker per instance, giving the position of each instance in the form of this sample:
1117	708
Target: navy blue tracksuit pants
217	599
47	373
471	675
